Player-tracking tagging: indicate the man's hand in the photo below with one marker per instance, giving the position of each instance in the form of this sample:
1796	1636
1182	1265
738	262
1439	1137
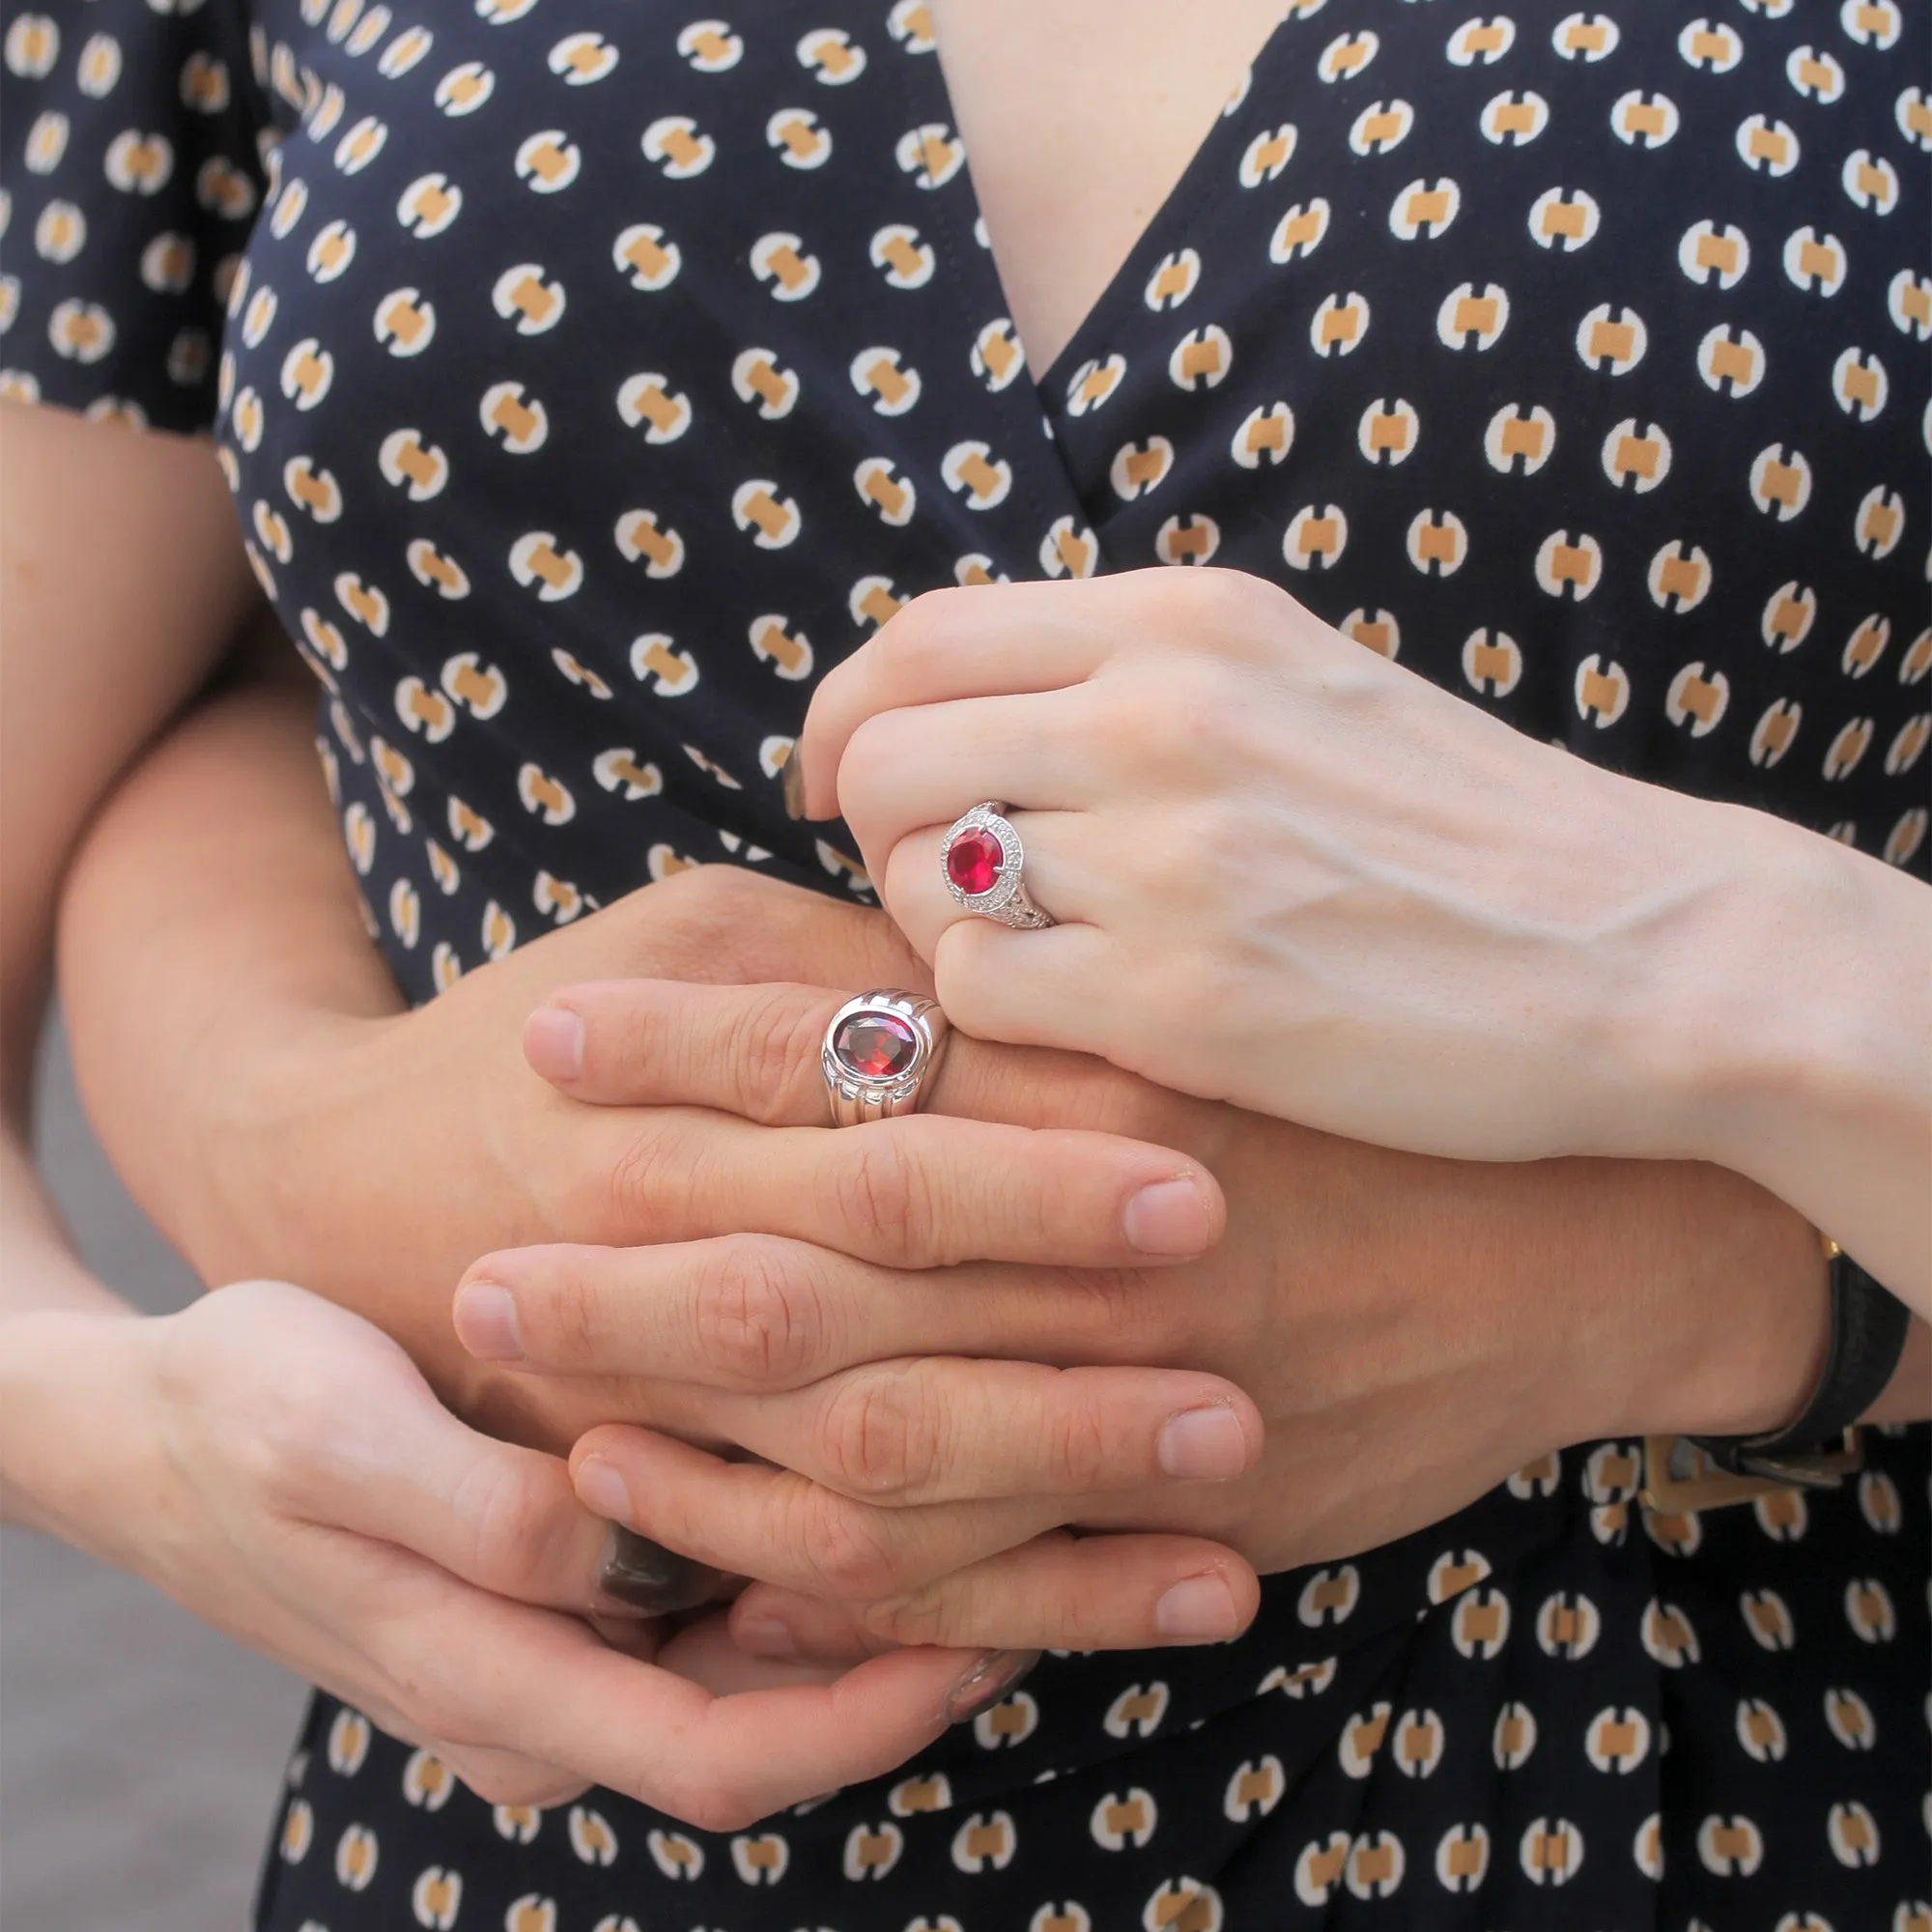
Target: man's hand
1411	1330
373	1158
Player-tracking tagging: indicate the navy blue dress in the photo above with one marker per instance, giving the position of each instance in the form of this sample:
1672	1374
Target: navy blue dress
591	378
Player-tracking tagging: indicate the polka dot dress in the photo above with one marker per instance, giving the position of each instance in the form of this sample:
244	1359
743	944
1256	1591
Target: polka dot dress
590	375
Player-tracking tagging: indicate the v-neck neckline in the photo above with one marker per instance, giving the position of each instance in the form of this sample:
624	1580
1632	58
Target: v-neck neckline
1193	183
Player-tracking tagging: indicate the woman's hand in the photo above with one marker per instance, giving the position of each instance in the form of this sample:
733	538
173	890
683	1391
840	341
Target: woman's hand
1410	1330
279	1467
1288	874
1292	874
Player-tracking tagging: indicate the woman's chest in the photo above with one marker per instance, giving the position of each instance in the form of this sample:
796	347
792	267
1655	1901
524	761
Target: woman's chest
592	386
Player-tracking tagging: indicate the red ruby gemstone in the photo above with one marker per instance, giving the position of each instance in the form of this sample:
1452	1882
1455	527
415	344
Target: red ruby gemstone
876	1046
974	859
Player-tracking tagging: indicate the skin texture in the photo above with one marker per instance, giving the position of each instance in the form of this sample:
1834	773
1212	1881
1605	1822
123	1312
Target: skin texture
1244	819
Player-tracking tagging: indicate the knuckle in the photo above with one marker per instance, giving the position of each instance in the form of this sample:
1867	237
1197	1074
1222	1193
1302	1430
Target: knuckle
645	1169
1195	707
1145	1317
291	1455
499	1783
918	627
431	1711
509	1525
773	1041
712	1804
1076	1438
1241	602
879	1438
563	1311
708	891
758	1311
1100	1315
869	771
693	1788
880	1192
924	1616
844	1548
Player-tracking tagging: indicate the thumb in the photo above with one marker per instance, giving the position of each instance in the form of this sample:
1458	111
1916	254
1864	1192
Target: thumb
502	1518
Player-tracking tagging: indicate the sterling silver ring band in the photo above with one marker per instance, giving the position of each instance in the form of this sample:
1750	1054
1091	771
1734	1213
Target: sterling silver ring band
877	1052
983	863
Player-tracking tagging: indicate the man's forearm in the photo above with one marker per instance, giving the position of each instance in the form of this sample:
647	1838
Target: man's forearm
210	927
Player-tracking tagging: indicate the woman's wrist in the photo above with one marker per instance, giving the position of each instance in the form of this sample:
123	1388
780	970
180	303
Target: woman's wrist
79	1435
1791	1036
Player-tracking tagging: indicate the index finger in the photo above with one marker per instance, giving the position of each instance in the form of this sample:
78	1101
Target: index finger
974	643
721	1763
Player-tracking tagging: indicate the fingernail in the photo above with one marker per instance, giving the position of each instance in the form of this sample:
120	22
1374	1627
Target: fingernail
486	1322
793	774
1168	1217
1203	1445
1198	1609
553	1043
989	1680
601	1489
644	1577
764	1637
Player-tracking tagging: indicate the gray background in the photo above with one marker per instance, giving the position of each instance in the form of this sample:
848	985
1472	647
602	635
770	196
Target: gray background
141	1754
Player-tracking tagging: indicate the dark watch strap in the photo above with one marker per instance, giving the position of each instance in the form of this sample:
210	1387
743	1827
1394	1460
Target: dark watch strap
1868	1324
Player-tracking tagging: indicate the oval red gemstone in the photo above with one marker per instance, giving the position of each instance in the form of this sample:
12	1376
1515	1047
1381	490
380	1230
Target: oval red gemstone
876	1046
974	859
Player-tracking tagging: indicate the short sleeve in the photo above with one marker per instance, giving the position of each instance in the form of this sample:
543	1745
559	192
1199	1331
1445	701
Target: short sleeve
130	171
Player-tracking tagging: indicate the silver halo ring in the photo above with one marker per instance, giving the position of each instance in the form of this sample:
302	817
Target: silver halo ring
981	844
877	1052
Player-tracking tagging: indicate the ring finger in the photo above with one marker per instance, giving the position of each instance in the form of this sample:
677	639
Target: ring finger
1061	876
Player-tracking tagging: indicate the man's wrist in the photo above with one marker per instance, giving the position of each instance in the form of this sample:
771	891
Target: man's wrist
256	1194
1723	1309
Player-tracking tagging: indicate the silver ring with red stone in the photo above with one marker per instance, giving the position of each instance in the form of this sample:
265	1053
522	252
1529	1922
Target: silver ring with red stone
878	1051
984	865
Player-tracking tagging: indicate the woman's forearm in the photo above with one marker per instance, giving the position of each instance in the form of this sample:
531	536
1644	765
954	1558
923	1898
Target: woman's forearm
94	522
54	1318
